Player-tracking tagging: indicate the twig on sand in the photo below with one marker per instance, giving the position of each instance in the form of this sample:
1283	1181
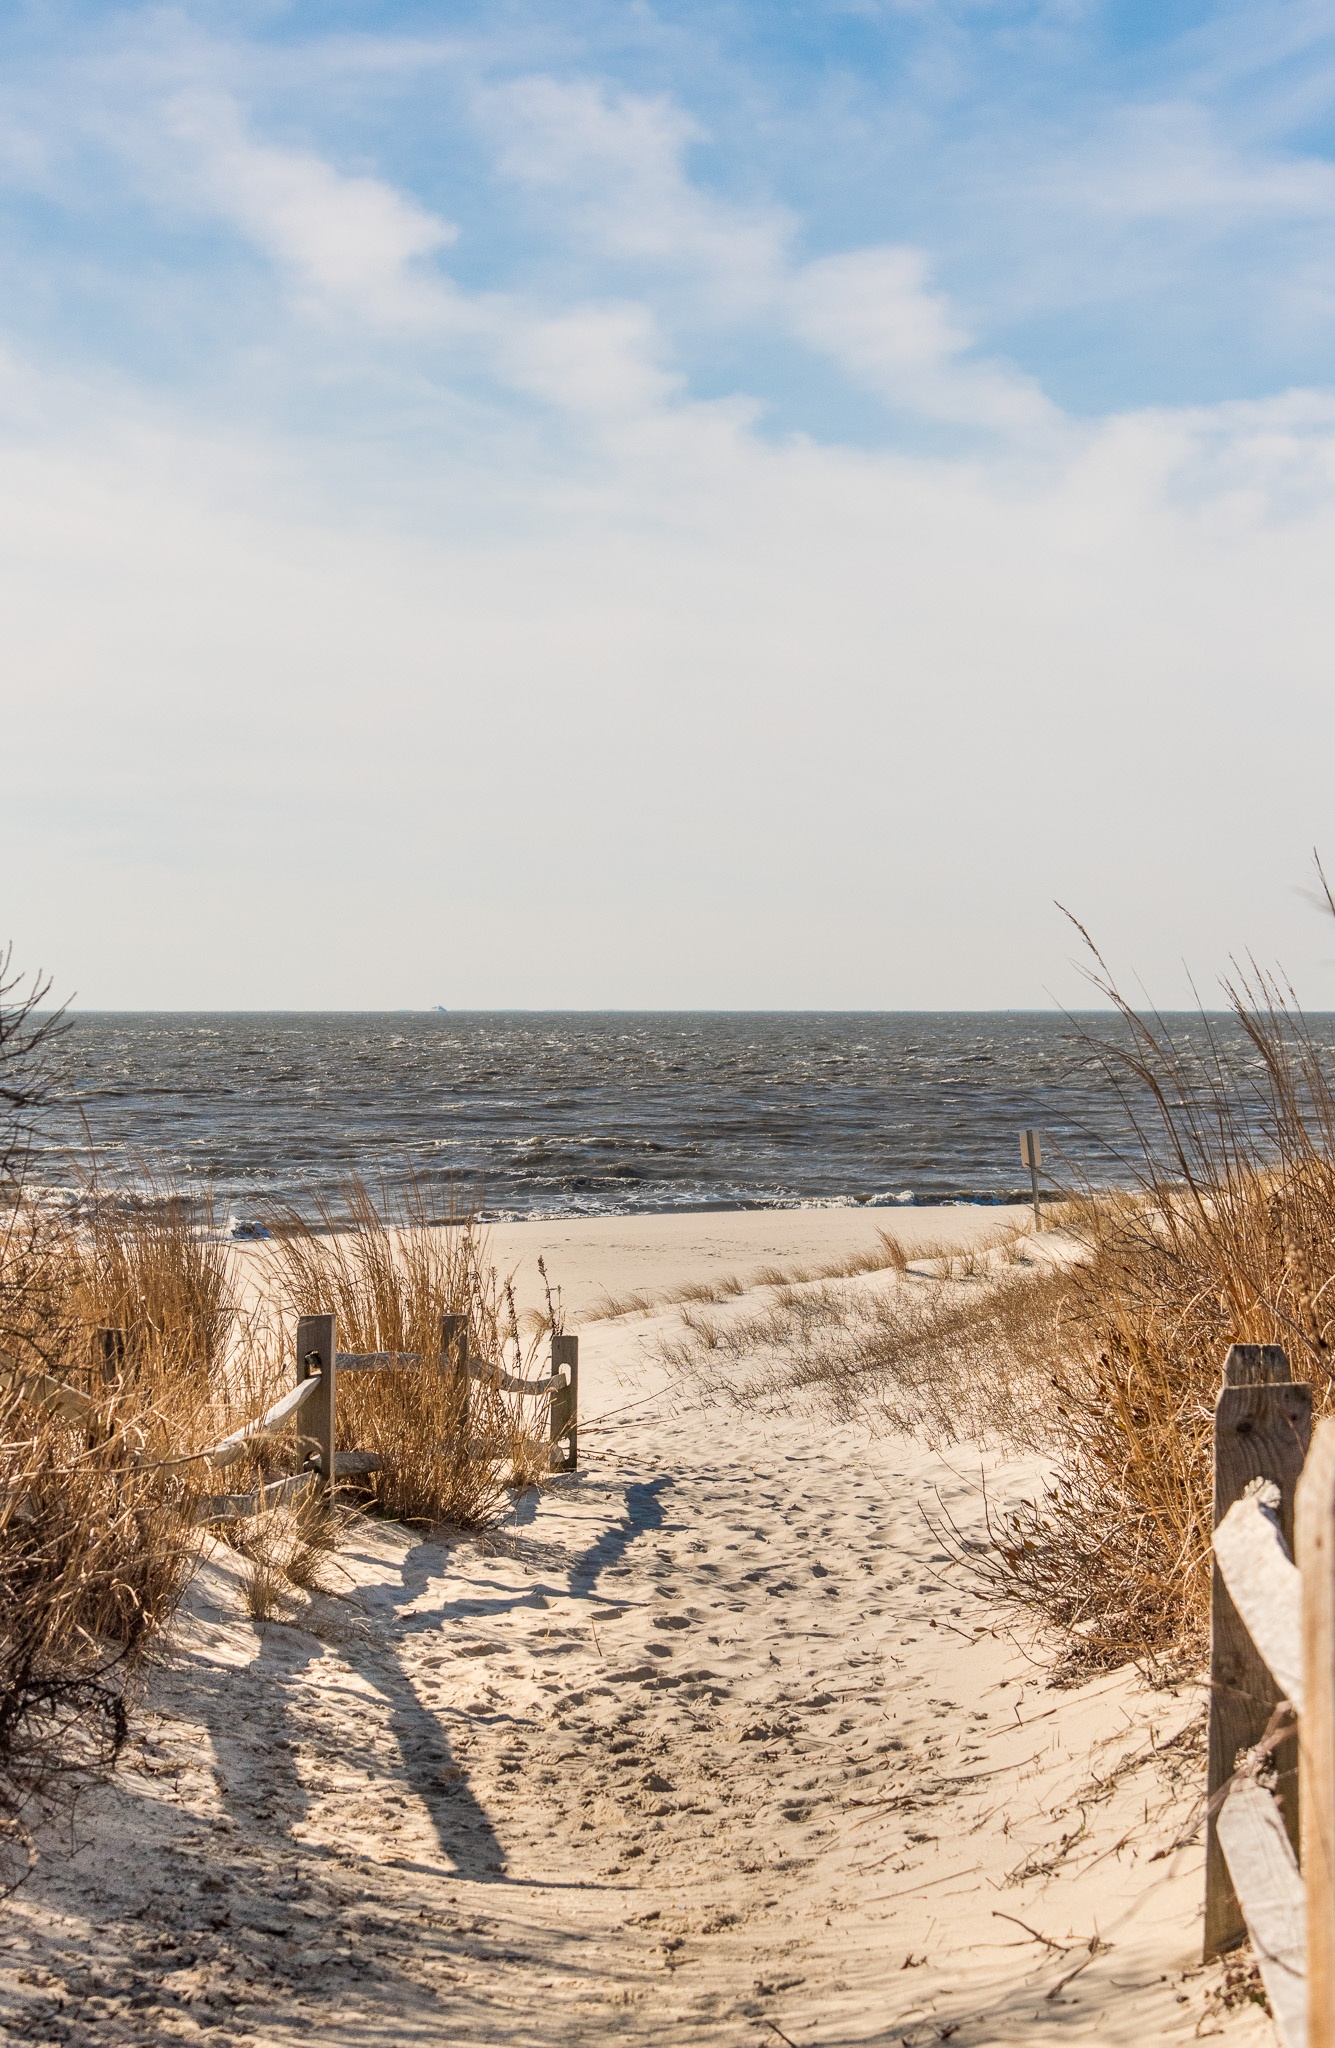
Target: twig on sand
1062	1947
1097	1947
779	2031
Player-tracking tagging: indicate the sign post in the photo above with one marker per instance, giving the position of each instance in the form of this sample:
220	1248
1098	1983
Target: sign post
1031	1155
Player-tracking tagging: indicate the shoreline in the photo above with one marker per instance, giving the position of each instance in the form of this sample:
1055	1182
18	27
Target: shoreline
592	1259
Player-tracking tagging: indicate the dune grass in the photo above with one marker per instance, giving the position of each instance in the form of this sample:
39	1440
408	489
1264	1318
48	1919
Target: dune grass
98	1510
389	1271
886	1252
1098	1346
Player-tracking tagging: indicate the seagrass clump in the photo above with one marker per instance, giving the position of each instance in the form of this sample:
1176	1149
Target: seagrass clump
389	1270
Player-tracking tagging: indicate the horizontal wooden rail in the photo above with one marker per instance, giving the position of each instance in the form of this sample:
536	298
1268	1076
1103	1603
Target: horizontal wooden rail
478	1369
378	1361
1264	1584
1270	1889
235	1507
235	1446
510	1383
43	1391
1272	1664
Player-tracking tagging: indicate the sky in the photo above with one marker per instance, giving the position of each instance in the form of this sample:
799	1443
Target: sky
732	505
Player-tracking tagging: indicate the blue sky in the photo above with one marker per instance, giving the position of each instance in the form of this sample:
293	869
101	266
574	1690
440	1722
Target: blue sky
710	504
1130	204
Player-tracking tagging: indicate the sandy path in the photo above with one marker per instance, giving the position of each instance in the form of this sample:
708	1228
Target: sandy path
704	1745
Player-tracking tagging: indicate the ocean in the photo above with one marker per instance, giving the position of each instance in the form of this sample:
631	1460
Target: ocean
570	1113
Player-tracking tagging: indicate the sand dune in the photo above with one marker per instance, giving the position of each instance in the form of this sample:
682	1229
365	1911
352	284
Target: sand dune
708	1743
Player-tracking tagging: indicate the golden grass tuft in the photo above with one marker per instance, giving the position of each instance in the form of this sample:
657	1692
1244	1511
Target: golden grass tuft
289	1551
389	1272
99	1514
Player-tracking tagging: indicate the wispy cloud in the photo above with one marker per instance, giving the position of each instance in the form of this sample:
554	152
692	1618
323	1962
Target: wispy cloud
873	311
749	523
353	239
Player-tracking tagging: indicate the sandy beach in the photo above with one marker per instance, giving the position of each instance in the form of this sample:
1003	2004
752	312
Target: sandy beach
596	1257
709	1742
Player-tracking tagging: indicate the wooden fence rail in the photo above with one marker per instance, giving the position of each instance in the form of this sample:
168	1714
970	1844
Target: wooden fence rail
314	1399
1270	1854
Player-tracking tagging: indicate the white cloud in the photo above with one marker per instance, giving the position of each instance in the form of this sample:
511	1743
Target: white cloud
873	312
611	166
356	241
593	360
716	720
609	697
1172	162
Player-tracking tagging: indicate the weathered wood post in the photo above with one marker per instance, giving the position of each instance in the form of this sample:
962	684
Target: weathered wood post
565	1402
455	1344
1263	1422
1316	1733
317	1351
109	1349
1031	1155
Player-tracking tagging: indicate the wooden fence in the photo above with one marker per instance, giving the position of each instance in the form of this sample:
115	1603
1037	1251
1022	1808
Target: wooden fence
1270	1851
315	1396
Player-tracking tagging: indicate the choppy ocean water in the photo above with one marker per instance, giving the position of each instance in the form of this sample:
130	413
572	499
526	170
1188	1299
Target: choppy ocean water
589	1113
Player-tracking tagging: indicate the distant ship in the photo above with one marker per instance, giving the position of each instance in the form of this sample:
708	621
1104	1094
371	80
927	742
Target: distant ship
441	1010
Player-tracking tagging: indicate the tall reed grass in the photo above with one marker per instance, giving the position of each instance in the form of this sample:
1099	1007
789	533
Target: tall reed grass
1229	1237
389	1270
98	1509
98	1505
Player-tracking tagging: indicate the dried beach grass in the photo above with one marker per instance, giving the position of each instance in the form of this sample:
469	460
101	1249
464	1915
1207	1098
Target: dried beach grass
1099	1346
100	1496
952	1358
94	1553
389	1271
289	1550
886	1252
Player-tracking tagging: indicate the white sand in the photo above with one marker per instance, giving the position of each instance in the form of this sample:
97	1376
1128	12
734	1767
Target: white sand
708	1744
618	1255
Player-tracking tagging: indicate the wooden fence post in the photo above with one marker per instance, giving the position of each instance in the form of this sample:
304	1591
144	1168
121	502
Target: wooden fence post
1262	1425
1316	1732
455	1344
565	1401
317	1351
109	1349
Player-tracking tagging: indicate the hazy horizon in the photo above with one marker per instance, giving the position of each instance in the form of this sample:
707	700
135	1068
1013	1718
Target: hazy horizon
615	1010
